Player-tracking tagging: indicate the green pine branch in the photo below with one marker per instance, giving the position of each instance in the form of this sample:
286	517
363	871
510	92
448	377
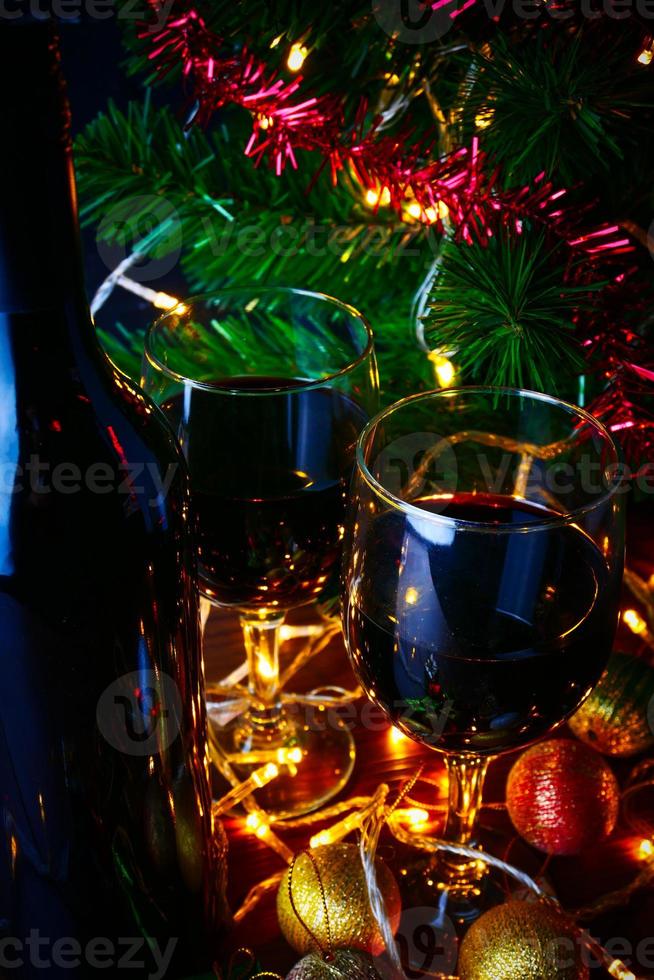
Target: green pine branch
507	313
146	184
569	105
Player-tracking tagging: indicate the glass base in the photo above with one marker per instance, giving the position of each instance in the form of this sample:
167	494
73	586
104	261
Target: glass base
429	883
325	754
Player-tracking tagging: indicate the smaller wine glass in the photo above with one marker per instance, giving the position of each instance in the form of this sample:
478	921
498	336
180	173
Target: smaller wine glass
267	390
483	561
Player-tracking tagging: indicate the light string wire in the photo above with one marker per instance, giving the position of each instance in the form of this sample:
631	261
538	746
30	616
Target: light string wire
374	813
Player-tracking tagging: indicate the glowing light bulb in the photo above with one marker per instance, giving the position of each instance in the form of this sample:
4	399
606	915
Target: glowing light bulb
444	370
290	755
414	210
620	971
411	596
416	816
645	849
646	56
266	669
397	737
163	301
296	57
634	621
375	197
484	118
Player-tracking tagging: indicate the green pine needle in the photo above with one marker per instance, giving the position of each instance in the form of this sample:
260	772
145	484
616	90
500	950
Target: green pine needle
507	313
566	105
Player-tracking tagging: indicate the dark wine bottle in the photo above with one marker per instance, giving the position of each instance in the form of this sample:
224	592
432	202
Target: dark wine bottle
108	857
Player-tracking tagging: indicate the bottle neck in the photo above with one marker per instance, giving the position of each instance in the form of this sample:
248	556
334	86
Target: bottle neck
40	251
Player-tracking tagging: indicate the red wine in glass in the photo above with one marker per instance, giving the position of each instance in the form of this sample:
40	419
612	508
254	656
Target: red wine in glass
482	649
267	389
269	483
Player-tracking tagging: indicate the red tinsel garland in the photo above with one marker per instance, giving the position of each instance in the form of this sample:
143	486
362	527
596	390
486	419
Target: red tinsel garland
286	120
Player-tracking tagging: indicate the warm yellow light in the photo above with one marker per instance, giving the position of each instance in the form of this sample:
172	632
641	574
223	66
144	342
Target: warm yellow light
392	79
296	56
620	971
275	41
257	825
415	816
265	122
397	737
375	197
444	370
414	210
634	621
645	849
646	56
266	669
286	756
163	301
411	596
265	775
484	118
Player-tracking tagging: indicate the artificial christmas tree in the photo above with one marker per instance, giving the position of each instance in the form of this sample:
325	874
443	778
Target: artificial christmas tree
477	182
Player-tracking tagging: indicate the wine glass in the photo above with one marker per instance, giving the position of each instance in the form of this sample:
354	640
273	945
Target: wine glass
482	567
267	390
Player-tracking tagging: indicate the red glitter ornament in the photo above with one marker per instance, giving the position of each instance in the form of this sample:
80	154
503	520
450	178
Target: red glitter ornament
562	797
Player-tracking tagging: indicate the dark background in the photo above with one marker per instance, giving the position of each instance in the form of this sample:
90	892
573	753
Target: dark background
94	66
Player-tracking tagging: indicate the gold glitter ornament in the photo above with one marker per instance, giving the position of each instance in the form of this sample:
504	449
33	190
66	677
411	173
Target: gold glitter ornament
614	718
522	941
347	964
330	906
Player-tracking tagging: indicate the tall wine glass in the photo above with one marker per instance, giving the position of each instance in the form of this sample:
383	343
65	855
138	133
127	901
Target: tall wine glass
267	390
483	560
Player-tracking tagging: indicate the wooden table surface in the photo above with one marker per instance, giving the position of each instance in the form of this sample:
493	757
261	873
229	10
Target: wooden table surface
577	880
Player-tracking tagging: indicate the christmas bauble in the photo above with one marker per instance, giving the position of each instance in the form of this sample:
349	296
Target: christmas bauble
522	941
614	718
347	964
350	922
562	796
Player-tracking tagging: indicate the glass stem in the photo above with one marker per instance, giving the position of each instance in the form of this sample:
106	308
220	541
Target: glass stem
466	783
261	635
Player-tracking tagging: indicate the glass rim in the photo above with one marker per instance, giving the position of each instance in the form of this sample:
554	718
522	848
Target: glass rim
354	314
485	526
